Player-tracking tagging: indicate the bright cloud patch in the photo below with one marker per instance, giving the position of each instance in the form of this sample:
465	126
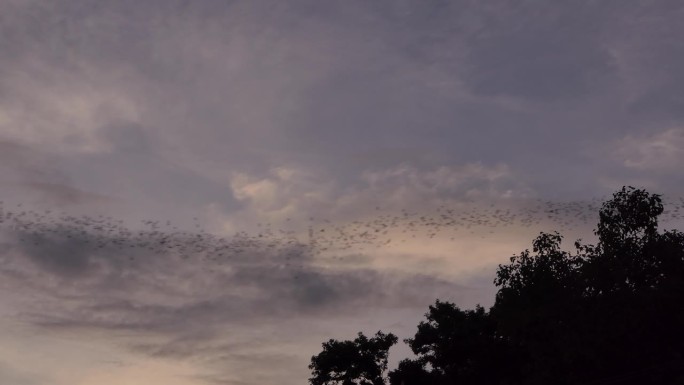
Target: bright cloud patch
662	152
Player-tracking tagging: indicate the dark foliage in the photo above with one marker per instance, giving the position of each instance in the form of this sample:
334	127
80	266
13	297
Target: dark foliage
455	346
362	361
610	313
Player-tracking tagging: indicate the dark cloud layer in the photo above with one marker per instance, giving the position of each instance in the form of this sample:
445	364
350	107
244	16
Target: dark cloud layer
325	76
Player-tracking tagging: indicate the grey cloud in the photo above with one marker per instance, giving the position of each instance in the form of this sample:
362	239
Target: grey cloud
21	162
9	375
142	172
248	85
128	139
113	278
215	312
62	256
542	51
664	102
36	175
652	58
64	195
157	109
14	154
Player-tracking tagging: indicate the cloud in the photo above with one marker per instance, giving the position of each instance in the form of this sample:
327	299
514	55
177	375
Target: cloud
541	52
64	195
9	375
356	120
296	193
650	55
199	92
33	174
648	160
66	113
662	152
88	275
19	161
469	181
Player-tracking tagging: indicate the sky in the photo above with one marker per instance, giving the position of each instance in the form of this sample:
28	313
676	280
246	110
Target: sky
202	192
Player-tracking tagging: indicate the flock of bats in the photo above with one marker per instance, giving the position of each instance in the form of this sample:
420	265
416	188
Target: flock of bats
36	228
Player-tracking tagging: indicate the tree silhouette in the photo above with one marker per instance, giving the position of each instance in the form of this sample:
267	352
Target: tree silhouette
455	346
635	291
606	310
610	313
536	306
362	361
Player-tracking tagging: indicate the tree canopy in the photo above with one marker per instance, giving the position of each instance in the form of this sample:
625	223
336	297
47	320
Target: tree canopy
362	361
610	313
